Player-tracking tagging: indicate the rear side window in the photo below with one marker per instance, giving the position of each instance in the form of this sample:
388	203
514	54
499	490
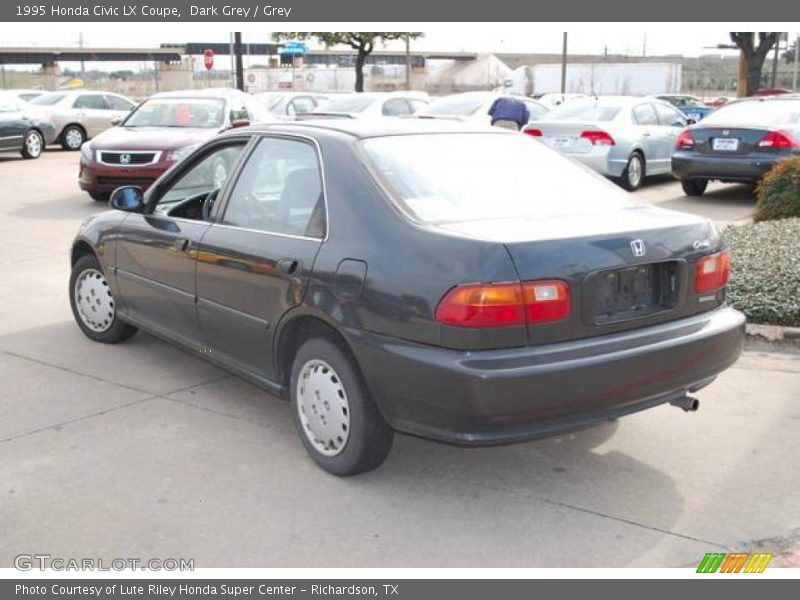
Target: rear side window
48	99
279	191
645	114
90	101
301	105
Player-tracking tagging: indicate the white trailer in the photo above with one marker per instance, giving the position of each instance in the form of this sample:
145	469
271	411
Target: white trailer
629	79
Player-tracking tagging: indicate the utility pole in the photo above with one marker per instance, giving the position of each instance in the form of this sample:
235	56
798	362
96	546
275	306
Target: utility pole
83	64
237	49
796	52
644	46
564	65
408	62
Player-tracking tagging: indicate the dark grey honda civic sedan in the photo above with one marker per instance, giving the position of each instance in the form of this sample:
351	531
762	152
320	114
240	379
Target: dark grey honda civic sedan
466	285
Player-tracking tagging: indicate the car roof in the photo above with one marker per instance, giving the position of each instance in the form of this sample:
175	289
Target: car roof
202	93
368	128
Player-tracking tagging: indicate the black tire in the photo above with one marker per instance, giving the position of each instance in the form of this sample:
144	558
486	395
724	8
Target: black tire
100	196
694	187
32	144
117	331
627	181
369	438
73	137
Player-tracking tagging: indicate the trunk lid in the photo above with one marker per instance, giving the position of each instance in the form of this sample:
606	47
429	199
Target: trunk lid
625	269
727	141
566	135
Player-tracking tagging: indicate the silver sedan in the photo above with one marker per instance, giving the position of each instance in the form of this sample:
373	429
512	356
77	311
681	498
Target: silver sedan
79	115
622	137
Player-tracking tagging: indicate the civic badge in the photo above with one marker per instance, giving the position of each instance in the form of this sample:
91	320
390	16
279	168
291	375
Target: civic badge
637	248
125	159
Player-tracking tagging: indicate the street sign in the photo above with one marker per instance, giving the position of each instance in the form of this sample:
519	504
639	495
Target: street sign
208	59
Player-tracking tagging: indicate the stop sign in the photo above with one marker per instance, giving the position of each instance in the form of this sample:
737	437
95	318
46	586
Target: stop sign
208	59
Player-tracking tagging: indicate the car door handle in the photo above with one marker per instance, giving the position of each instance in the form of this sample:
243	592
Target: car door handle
181	244
288	266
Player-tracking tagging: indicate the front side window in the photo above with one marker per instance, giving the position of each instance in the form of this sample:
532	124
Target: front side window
279	190
118	103
201	180
670	117
459	177
179	112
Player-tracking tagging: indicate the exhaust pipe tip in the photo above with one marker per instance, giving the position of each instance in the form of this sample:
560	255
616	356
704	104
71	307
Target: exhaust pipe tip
687	403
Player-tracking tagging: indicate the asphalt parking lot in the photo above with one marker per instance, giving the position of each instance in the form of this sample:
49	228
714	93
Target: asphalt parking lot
142	450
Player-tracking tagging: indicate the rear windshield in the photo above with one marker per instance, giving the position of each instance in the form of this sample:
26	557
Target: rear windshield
178	112
771	113
583	111
458	107
450	178
355	104
47	99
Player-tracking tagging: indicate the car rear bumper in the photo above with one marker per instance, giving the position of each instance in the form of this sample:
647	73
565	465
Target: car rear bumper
502	396
727	168
98	178
601	159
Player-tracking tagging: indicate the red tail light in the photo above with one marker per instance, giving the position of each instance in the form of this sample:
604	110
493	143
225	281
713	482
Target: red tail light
776	140
712	272
482	305
685	140
533	132
599	138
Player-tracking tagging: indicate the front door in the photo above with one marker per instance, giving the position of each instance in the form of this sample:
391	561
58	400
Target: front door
93	113
155	251
254	262
13	125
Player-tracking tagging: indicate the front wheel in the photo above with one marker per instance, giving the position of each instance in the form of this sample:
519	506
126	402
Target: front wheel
633	175
338	423
33	145
694	187
93	305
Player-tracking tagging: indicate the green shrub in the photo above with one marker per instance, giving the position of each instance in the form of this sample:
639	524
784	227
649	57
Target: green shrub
765	271
779	192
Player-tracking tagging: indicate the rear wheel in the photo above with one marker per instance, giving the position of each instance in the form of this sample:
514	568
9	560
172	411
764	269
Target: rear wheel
72	137
33	144
694	187
633	175
338	423
93	305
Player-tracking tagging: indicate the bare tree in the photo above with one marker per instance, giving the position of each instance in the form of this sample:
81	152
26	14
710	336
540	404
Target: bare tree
752	57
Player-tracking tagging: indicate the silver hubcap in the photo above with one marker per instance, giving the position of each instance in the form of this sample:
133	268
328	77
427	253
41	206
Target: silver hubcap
74	138
33	143
220	175
323	408
94	301
635	171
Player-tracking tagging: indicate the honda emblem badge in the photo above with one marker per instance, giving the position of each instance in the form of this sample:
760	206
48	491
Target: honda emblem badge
125	159
637	247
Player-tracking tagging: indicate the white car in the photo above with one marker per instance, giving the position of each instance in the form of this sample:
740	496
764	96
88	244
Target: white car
287	105
474	107
557	99
373	104
80	115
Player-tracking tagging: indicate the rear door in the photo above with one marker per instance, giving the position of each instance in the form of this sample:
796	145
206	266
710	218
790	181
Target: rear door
254	263
93	112
671	123
651	137
12	124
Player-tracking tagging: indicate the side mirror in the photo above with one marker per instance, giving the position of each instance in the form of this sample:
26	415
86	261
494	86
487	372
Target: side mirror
129	198
116	121
240	123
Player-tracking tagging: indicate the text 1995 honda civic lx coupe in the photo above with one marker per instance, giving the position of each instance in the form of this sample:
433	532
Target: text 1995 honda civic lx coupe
409	277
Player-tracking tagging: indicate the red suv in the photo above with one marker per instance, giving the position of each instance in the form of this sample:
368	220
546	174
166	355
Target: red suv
160	132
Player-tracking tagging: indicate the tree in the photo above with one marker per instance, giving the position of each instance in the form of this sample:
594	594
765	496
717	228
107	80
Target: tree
752	57
361	41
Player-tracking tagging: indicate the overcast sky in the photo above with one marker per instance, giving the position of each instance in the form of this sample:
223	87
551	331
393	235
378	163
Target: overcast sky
632	39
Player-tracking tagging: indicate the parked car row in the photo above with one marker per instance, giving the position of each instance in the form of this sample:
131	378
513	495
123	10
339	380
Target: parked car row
629	139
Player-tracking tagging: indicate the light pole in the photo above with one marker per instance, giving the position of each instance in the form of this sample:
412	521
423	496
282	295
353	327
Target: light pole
564	66
796	52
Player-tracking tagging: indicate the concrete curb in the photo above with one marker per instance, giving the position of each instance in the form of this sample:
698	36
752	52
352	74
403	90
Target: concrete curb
772	338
